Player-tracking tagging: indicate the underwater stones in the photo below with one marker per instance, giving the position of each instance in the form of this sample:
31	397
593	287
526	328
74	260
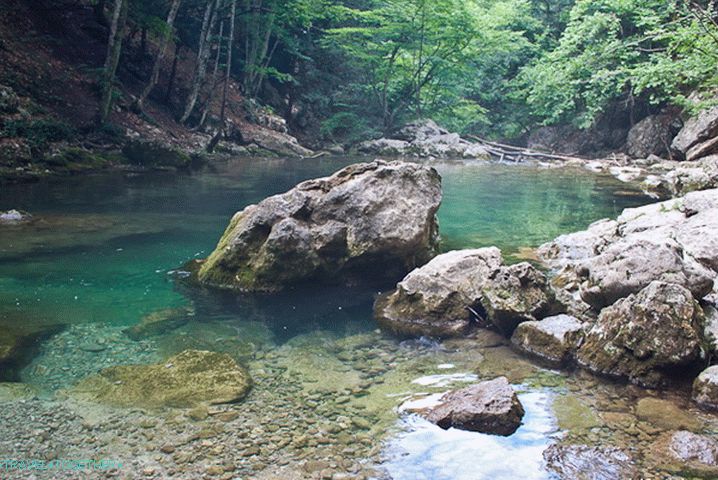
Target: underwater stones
159	322
11	391
487	407
583	462
337	227
552	340
515	294
665	414
646	334
705	388
186	380
17	344
437	299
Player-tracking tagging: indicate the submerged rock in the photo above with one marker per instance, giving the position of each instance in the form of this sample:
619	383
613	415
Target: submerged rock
666	414
582	462
553	339
17	344
487	407
186	380
686	453
339	227
438	299
159	322
646	335
424	139
705	388
155	154
515	294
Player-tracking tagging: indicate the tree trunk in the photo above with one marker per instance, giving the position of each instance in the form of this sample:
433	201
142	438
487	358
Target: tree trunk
213	78
173	73
114	48
202	58
230	43
161	51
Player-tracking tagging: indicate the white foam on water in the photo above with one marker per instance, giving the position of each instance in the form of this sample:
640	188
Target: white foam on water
445	380
421	403
446	366
426	452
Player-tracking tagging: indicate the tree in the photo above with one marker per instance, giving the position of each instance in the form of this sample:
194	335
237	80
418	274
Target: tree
114	48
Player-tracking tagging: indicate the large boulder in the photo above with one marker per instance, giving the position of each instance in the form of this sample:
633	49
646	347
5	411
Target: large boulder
705	388
630	264
338	227
487	407
515	294
652	136
691	176
690	143
439	298
583	462
685	453
424	139
553	340
186	380
646	336
155	154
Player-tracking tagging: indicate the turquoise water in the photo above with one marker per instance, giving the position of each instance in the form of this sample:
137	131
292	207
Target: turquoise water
103	246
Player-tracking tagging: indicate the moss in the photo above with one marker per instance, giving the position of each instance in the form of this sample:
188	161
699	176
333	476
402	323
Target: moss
77	159
154	154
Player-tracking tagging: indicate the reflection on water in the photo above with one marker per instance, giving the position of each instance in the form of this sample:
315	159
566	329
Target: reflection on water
426	452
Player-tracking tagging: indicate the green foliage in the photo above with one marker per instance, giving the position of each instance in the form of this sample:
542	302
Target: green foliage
38	133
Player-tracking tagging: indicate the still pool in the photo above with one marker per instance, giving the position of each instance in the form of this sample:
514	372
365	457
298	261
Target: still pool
101	254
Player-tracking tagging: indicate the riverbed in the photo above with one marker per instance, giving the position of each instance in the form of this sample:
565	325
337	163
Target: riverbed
104	250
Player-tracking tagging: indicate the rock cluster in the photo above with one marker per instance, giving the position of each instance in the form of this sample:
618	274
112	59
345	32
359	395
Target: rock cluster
649	278
335	228
460	288
424	139
698	137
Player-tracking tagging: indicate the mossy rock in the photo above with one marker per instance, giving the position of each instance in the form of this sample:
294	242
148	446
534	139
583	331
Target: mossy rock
155	155
186	380
78	159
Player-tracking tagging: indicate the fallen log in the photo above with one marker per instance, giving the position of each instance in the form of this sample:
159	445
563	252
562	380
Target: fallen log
516	154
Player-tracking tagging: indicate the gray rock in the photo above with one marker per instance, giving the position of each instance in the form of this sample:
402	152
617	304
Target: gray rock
437	299
582	462
338	227
424	139
13	217
705	388
646	335
696	130
685	453
515	294
692	176
552	340
9	101
652	136
487	407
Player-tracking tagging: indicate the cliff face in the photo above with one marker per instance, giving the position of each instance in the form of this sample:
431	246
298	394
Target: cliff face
51	53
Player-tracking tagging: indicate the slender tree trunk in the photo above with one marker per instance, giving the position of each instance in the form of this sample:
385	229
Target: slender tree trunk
143	41
114	48
228	72
173	73
207	106
100	12
161	51
202	57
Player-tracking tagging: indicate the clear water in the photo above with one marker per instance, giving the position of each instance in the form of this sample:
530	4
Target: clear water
100	256
104	244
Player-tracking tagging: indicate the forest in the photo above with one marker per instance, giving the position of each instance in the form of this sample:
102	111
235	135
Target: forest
353	69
